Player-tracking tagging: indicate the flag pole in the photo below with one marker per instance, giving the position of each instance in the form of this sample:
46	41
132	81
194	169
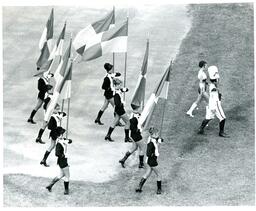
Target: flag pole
67	118
125	61
162	120
113	52
143	100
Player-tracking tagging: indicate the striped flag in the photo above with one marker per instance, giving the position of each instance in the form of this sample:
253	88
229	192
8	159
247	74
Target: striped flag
57	49
139	93
60	71
66	90
112	41
45	43
97	27
61	87
161	91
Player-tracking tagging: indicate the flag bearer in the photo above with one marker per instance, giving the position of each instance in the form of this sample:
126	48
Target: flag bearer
136	137
152	153
109	90
43	87
62	161
120	112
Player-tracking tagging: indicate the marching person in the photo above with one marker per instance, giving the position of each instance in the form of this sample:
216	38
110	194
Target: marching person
202	94
53	124
43	86
62	161
120	112
214	107
45	123
109	90
136	137
152	153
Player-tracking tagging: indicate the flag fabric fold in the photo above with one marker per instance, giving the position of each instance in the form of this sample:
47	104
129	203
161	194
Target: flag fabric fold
45	43
91	30
161	91
57	50
139	93
112	41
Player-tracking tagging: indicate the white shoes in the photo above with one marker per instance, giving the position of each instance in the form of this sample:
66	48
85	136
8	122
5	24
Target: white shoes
190	114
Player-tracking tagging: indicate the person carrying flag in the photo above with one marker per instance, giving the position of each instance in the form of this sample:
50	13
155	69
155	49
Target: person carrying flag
136	137
109	90
120	112
62	161
43	87
53	124
152	153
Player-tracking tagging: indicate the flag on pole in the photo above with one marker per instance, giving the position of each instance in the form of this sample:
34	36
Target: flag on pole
112	41
60	87
60	71
161	91
66	90
45	43
139	93
56	51
97	27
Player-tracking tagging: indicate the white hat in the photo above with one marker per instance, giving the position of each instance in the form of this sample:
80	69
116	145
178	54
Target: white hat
213	72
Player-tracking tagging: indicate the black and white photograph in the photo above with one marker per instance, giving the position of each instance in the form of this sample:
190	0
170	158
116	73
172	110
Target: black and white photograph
128	104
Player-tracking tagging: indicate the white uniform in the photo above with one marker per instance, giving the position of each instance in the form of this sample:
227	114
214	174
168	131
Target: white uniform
214	106
202	78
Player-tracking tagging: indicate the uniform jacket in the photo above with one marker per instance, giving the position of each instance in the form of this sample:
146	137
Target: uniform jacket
214	100
152	152
135	131
119	106
202	80
42	87
108	86
60	152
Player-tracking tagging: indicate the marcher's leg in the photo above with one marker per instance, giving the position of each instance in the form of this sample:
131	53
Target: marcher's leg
47	153
101	111
125	118
201	128
141	154
56	179
159	180
40	133
128	153
111	128
38	105
143	179
66	180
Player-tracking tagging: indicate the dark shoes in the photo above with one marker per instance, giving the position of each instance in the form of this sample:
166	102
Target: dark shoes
138	190
200	131
127	140
49	188
43	162
159	191
108	138
31	121
122	163
224	135
141	165
39	140
97	121
66	192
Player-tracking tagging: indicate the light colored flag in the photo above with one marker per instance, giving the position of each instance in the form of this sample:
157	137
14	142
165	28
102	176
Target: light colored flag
112	41
60	71
60	87
139	93
45	43
161	91
91	30
66	90
57	50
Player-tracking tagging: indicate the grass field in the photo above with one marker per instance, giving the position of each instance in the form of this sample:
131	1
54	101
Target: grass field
197	170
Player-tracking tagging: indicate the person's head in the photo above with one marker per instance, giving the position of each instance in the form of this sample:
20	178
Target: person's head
153	132
108	67
61	114
56	108
213	73
202	64
117	83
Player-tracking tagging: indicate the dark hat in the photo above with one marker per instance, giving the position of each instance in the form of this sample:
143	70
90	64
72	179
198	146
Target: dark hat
108	66
62	113
60	130
202	63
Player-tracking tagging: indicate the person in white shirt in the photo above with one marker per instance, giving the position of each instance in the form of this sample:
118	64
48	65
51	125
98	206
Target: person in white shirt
202	94
214	107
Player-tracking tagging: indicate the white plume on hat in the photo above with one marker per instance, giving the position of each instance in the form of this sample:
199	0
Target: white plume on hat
213	72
